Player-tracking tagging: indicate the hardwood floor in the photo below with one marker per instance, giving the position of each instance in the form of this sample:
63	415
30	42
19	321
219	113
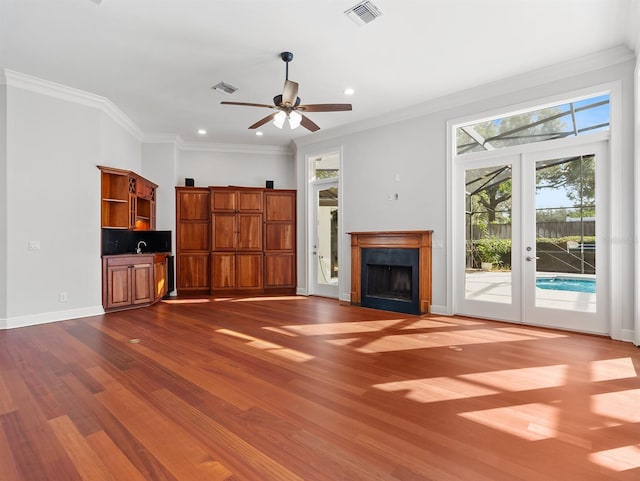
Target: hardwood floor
297	388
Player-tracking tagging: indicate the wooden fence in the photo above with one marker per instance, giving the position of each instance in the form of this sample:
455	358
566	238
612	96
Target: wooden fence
551	230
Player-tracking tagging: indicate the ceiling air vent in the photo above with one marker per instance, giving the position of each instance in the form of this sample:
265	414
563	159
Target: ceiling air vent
363	12
225	87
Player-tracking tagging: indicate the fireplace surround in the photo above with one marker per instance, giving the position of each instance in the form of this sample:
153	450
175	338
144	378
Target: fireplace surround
391	270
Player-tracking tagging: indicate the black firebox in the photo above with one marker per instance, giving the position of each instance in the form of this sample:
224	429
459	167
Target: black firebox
390	279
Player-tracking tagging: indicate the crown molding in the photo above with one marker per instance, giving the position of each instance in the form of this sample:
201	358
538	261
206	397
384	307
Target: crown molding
70	94
599	60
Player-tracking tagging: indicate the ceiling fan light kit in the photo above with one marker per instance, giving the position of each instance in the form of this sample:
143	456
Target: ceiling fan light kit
289	105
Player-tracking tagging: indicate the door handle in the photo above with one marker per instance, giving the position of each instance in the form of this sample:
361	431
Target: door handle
529	258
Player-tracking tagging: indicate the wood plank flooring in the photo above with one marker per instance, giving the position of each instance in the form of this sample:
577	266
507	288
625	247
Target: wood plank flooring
296	388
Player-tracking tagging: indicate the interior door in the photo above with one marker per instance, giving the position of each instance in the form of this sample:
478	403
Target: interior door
324	248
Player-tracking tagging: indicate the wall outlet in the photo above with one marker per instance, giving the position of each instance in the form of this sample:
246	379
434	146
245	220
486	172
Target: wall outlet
33	245
63	296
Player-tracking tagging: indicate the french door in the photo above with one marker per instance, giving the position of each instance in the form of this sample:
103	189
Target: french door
324	254
527	226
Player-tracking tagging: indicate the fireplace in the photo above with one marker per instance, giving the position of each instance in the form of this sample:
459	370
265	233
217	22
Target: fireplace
391	270
390	279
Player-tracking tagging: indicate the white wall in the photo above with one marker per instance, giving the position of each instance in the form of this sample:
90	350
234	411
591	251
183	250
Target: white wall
416	150
53	147
3	200
159	165
245	169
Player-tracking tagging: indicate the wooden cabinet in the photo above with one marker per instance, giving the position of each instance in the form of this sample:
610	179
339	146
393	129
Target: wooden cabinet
279	239
128	281
192	238
235	239
128	200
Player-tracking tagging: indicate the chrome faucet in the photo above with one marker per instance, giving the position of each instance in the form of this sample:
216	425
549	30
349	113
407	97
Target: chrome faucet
139	249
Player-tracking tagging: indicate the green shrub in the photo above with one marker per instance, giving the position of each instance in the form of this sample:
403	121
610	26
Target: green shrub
491	249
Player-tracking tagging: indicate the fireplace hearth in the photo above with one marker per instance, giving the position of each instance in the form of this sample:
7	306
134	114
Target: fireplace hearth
391	270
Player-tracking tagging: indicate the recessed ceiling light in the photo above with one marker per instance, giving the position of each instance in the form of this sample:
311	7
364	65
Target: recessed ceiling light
259	134
202	132
349	91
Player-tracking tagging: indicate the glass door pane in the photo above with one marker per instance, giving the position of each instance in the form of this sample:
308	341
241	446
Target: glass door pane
565	203
325	246
488	234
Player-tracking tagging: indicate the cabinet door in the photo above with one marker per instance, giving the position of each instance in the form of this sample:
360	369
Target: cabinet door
249	271
249	201
193	271
193	206
249	232
193	236
280	206
223	232
279	237
279	270
223	200
142	283
223	270
118	286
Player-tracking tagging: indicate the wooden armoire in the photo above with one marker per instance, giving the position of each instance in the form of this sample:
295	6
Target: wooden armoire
235	240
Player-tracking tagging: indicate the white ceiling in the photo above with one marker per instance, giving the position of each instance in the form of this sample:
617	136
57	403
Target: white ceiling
157	59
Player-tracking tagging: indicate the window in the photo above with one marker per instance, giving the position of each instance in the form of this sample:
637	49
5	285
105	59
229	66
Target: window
326	167
555	122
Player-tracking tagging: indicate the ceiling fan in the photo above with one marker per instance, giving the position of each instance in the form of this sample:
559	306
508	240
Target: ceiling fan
288	105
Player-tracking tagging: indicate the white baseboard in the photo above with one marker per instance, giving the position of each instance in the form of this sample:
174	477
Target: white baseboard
301	292
47	317
627	335
439	310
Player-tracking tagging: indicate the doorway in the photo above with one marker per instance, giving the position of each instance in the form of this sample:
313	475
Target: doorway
325	225
528	226
325	270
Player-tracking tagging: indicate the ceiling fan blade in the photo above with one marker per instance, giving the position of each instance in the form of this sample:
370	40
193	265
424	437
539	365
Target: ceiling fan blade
263	121
248	104
290	93
309	124
324	107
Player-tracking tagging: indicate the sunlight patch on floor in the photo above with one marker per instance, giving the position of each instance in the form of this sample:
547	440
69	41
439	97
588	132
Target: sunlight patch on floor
617	408
532	422
186	301
618	459
524	379
479	384
367	326
609	369
271	298
271	347
404	342
435	389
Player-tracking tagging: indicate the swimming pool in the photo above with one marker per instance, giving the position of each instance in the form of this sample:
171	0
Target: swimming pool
567	284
